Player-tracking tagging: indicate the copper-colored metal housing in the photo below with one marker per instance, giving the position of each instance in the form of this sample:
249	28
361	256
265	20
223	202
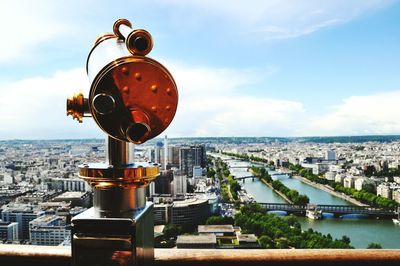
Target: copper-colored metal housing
102	176
145	94
132	97
77	106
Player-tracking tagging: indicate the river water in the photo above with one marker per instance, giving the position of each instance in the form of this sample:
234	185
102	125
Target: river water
361	231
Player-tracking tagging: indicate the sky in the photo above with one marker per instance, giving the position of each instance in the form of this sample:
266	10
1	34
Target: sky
243	68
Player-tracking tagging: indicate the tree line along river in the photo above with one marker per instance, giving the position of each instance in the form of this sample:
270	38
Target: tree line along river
361	231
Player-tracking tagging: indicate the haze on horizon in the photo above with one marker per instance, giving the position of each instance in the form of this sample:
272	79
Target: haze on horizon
272	68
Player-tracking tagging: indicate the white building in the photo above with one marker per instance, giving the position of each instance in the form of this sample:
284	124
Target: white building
348	182
359	182
396	195
330	175
339	178
8	178
320	168
384	190
48	230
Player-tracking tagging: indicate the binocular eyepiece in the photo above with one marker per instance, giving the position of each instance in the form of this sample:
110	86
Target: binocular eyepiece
132	97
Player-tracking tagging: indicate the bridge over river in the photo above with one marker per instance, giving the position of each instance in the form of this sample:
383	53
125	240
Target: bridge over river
336	210
253	176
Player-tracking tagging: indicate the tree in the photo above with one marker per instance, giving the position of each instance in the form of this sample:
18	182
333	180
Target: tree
282	232
346	239
374	245
171	230
282	242
266	242
210	173
369	187
215	220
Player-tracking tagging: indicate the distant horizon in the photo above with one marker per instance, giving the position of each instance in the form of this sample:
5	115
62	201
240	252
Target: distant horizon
202	137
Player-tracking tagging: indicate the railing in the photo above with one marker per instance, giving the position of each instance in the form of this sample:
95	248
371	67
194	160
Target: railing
44	256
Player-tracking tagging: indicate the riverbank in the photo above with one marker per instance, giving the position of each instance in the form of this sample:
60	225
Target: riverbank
277	192
330	191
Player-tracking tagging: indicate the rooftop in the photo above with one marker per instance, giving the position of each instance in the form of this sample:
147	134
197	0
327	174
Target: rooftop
197	239
247	238
226	228
188	202
71	194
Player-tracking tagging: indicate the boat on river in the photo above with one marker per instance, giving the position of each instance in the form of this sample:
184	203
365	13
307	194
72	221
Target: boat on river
314	214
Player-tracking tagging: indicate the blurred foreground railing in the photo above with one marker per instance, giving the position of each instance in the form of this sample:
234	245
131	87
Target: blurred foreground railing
43	256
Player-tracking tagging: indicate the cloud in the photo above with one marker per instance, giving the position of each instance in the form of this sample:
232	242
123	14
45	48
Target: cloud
35	108
213	102
360	115
218	102
280	19
26	25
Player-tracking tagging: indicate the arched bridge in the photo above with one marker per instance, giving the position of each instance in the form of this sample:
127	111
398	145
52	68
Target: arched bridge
337	210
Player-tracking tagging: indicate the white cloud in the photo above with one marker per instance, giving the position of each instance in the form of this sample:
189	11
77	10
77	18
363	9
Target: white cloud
280	19
360	115
213	102
29	25
217	102
26	25
35	108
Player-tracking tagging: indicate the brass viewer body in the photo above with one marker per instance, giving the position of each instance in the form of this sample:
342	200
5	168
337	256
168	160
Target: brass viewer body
132	98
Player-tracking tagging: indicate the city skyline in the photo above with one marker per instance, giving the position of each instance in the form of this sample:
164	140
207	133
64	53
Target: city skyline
267	69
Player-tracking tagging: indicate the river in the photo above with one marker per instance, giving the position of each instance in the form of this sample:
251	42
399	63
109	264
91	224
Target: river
361	231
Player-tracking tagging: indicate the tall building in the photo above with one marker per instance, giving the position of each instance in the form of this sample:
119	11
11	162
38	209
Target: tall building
179	184
162	185
165	153
190	157
173	156
158	153
8	231
186	160
48	230
200	158
330	155
21	214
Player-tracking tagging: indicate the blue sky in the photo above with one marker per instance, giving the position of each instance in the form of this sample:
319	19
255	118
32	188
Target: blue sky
243	68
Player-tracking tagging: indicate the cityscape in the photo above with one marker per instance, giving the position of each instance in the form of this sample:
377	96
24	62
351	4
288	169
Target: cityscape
200	133
326	193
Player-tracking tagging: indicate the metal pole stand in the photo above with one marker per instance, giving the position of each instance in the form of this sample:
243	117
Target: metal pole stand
119	229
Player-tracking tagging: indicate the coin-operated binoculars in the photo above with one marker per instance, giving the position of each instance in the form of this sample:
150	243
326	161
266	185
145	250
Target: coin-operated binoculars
132	98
